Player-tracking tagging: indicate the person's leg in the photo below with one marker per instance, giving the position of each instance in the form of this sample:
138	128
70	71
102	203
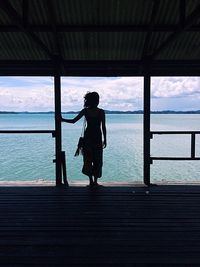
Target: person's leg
95	180
87	164
91	181
97	164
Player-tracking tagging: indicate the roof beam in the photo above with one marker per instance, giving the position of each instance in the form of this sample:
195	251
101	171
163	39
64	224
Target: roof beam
176	34
98	28
150	30
58	59
25	12
52	21
12	13
182	8
99	68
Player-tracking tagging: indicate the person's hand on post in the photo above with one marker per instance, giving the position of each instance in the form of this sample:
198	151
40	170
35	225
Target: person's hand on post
59	118
104	144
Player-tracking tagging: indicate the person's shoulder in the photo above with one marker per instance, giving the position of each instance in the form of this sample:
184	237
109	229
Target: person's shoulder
83	110
102	112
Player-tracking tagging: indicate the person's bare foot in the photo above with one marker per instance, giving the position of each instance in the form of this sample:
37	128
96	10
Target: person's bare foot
95	181
95	184
91	182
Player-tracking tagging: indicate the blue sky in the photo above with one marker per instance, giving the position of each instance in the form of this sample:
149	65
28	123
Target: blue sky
119	93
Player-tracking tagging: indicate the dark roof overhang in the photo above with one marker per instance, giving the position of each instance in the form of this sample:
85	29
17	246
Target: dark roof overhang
99	38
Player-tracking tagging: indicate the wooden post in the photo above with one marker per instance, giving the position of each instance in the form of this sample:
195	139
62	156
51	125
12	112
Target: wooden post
58	140
64	169
146	127
193	145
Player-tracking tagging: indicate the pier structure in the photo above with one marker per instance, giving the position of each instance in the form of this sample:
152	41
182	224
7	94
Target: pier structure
101	38
112	225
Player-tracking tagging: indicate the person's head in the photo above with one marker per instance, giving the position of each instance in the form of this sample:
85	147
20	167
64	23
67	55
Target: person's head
91	100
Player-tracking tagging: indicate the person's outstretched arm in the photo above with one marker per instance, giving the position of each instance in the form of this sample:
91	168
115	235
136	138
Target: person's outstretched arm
104	129
78	117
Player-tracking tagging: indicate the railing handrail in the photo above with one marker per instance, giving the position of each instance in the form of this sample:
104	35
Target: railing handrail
175	158
192	133
26	131
175	132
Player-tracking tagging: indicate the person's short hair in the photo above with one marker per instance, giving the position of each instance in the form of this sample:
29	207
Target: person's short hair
91	100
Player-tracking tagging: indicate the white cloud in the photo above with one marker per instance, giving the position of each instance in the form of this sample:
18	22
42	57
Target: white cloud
119	93
175	87
114	93
26	94
177	93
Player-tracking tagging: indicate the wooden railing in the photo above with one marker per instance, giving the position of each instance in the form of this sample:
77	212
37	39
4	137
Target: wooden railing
193	143
28	132
53	132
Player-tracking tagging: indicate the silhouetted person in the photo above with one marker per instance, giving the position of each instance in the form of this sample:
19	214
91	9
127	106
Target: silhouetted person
93	144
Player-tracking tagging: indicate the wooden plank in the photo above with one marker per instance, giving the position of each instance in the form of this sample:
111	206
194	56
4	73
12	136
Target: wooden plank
107	227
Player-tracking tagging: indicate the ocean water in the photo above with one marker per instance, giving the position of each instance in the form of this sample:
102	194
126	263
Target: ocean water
29	157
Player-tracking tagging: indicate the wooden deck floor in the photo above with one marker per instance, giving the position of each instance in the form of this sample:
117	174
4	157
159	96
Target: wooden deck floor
108	226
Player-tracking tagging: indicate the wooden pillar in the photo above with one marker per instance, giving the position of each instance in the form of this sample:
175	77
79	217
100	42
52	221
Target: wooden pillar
58	133
146	127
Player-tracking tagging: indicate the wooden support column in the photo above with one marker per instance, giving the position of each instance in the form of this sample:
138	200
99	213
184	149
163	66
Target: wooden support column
58	133
146	127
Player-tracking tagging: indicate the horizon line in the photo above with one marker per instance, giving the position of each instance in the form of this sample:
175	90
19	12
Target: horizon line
109	111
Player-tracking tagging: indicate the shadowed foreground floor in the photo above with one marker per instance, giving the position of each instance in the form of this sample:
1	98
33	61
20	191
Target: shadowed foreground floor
108	226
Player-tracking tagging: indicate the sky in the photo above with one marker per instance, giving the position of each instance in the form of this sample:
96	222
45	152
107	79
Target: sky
116	93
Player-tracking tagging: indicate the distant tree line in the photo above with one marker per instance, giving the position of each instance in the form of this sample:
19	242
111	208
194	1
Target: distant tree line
109	112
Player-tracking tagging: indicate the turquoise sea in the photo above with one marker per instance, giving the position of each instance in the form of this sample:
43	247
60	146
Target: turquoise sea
30	157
